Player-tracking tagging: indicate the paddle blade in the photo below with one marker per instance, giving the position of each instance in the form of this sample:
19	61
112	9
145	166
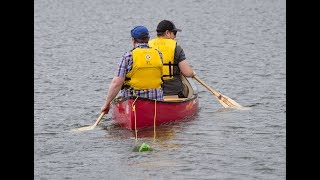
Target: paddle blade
92	126
86	128
227	102
224	100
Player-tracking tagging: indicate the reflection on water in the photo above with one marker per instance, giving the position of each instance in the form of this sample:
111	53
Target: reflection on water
161	133
159	137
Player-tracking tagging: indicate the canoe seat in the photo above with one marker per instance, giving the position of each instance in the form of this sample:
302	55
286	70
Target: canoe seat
173	98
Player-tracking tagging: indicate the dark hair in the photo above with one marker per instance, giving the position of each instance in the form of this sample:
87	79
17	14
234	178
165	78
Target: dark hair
142	40
160	33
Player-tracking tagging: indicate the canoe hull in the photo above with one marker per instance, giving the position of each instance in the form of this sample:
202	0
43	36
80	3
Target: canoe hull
141	113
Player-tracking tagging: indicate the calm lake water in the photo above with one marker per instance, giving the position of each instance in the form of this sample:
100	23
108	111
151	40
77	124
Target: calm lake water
237	47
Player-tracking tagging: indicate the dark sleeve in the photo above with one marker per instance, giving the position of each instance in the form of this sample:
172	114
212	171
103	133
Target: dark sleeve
179	54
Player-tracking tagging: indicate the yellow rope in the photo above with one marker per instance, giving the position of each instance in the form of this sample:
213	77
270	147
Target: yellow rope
154	120
135	117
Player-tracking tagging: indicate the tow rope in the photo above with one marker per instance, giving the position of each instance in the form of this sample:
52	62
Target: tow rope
144	146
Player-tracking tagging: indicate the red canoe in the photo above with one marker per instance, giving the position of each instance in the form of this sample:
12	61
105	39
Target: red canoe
137	113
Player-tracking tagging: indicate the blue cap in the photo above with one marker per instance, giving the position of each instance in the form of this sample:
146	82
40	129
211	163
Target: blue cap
140	32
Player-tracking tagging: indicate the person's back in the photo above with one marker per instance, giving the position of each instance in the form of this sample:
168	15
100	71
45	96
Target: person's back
139	71
174	60
145	73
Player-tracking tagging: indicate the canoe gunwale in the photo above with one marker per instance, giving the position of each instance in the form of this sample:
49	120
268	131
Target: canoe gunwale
121	99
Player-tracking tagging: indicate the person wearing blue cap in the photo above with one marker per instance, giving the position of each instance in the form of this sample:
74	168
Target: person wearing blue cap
174	59
139	71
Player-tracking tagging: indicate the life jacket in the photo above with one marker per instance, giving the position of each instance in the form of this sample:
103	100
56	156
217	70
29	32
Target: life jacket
167	47
146	72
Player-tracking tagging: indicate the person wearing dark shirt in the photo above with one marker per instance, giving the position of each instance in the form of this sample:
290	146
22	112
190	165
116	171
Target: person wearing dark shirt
175	63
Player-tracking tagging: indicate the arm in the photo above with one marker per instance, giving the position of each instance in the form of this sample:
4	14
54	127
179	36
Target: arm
186	69
114	89
183	64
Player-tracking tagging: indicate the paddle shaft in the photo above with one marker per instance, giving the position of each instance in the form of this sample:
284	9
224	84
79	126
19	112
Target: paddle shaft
205	85
224	100
99	119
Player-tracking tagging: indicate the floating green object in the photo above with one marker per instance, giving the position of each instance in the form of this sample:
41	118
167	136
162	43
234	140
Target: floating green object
144	147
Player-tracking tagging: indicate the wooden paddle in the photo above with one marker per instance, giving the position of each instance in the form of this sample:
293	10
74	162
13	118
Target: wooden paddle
224	100
92	126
